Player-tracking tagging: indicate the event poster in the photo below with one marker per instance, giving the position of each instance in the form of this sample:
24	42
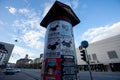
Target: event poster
52	69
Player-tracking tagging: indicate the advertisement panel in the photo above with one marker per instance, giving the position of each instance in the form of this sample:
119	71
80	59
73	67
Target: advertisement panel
68	68
59	28
67	47
52	69
52	48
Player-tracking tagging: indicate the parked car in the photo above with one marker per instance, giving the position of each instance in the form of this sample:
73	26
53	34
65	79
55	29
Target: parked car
9	71
17	70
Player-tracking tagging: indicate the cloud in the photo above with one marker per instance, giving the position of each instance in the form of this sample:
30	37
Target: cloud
96	34
19	52
30	14
12	10
28	28
74	4
27	17
46	8
1	22
32	39
24	11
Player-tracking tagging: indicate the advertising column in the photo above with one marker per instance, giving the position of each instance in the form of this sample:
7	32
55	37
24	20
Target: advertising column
59	51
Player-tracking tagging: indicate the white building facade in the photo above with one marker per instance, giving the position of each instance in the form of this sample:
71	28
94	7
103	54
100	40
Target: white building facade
5	53
105	53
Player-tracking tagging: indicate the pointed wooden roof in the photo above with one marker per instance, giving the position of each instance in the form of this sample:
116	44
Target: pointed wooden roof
60	11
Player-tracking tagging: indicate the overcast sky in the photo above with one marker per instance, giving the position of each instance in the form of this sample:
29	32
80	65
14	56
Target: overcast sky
20	19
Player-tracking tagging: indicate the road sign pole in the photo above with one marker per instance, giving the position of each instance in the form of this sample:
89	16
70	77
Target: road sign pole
88	62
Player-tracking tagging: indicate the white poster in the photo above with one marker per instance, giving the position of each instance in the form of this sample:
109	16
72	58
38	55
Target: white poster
59	39
53	48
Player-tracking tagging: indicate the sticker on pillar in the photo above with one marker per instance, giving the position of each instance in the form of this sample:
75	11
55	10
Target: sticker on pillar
66	29
53	44
68	68
52	68
53	48
54	25
54	29
67	47
67	60
52	54
67	44
67	52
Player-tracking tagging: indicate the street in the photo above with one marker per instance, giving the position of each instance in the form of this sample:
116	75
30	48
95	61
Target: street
34	74
25	74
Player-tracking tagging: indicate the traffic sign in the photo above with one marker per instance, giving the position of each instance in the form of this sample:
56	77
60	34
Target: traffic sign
84	44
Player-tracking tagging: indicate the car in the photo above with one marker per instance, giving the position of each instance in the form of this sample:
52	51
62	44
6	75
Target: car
17	70
9	71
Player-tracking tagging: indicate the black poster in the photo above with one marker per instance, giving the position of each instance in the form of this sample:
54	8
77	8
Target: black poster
68	68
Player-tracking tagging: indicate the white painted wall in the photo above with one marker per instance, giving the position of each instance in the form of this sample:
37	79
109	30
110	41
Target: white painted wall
9	48
100	48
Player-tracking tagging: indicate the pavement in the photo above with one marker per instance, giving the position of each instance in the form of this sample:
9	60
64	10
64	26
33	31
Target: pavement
34	73
99	75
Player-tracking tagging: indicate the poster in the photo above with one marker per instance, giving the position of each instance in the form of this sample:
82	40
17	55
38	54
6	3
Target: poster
52	69
67	47
52	48
59	28
68	68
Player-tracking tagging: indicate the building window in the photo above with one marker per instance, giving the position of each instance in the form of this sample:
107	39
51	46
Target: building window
1	56
89	57
112	55
94	56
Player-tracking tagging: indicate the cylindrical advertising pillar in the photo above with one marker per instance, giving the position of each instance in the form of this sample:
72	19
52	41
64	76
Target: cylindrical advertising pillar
59	51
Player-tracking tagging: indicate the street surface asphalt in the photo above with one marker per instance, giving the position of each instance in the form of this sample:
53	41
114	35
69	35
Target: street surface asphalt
34	74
